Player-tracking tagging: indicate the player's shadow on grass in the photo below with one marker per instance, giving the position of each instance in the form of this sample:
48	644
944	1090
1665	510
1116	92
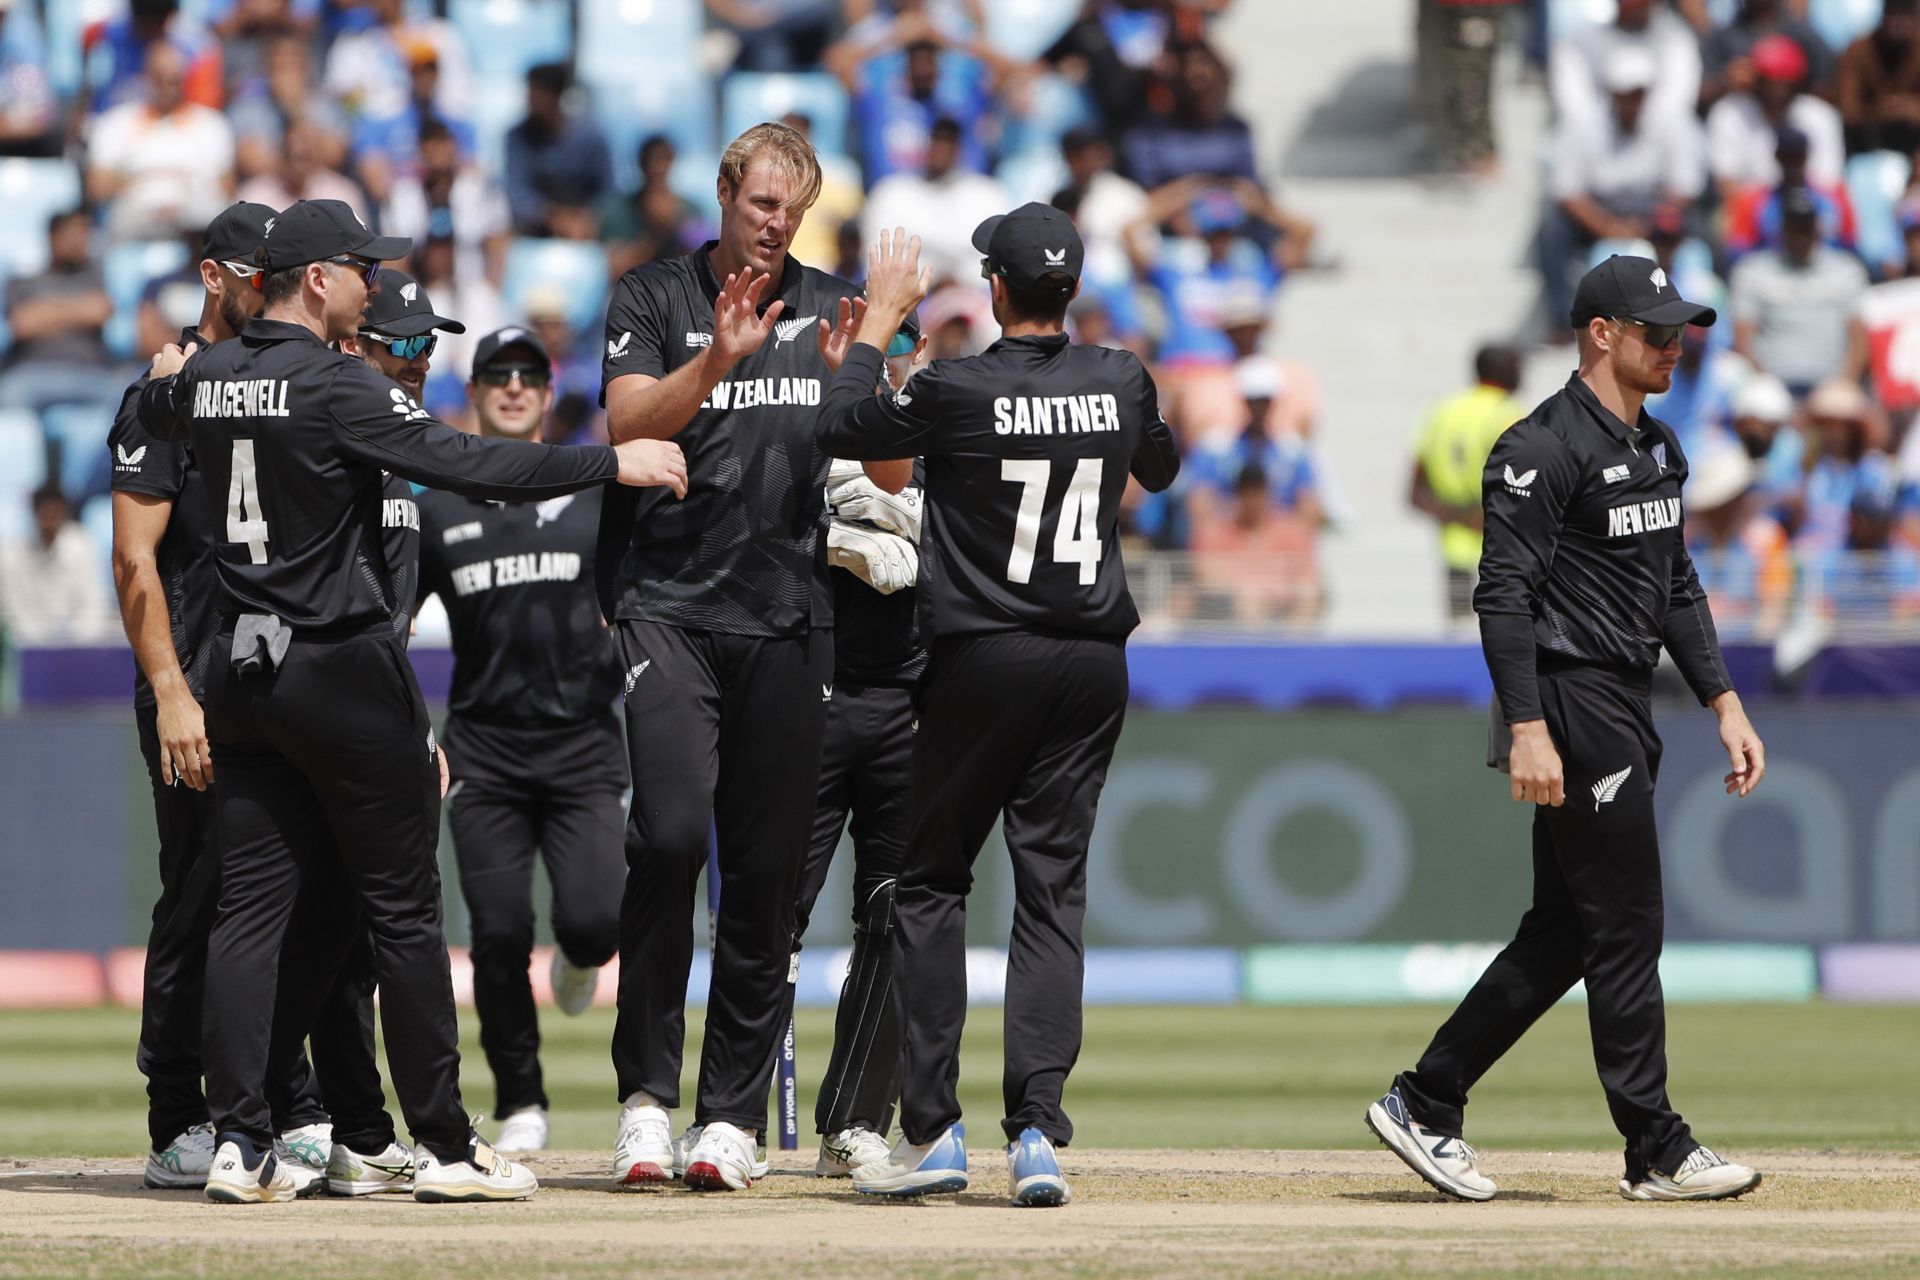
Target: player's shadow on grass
1422	1196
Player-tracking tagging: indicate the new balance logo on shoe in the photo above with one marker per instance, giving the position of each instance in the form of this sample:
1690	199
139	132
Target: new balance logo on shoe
124	461
785	331
1520	485
635	672
1609	787
617	349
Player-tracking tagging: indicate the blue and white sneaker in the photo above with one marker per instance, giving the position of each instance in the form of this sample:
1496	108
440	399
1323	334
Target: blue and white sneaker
1035	1172
1447	1163
924	1169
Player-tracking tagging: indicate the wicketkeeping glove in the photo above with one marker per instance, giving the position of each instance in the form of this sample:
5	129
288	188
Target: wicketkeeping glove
860	500
884	561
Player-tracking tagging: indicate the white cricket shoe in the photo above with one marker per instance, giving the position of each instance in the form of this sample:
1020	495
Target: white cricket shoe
524	1130
572	986
843	1152
723	1159
683	1152
644	1150
182	1164
388	1172
918	1169
1033	1172
1701	1176
242	1175
310	1145
484	1175
1446	1162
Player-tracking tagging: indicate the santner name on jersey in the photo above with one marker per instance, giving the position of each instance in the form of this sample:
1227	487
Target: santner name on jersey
1044	415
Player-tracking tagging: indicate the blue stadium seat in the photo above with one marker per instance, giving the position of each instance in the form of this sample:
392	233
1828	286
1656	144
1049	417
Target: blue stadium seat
1024	29
674	100
1053	107
748	97
578	268
1875	182
31	191
81	432
23	465
66	24
129	269
1841	22
693	177
1567	16
1032	175
498	105
625	40
505	37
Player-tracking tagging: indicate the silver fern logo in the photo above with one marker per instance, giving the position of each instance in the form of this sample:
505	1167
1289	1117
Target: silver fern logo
1608	787
785	331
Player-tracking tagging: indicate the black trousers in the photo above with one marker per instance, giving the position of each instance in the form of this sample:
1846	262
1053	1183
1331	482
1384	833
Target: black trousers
517	789
174	984
723	731
1597	914
866	771
345	1062
329	792
1025	726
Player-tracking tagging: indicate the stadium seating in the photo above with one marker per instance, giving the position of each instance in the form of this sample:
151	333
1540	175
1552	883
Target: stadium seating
506	37
750	97
129	269
23	465
66	25
1841	22
81	433
674	100
1053	107
626	40
31	191
576	268
1565	16
97	518
1032	175
1876	180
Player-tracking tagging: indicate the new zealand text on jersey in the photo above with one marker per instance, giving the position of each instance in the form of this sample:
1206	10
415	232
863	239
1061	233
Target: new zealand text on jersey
749	393
1643	517
512	571
252	398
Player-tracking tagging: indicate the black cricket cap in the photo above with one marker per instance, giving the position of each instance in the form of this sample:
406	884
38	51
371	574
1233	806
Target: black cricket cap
1034	240
910	325
237	233
491	347
1634	288
402	309
315	230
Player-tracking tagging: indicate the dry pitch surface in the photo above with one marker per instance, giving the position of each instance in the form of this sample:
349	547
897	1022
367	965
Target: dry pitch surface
1135	1213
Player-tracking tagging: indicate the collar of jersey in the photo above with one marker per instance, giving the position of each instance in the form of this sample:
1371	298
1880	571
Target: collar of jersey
1044	341
263	330
790	272
193	336
1603	415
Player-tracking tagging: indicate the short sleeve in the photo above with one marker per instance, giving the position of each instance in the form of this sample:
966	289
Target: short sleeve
635	341
141	463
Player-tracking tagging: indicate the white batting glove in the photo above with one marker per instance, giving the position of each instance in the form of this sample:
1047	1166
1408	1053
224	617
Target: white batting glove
884	561
863	502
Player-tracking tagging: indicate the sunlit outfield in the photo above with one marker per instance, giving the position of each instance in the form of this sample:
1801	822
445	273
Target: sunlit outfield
1804	1075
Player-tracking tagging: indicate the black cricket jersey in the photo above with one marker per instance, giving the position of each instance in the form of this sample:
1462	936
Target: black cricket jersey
400	545
292	438
143	463
876	634
529	646
1585	557
1028	447
744	552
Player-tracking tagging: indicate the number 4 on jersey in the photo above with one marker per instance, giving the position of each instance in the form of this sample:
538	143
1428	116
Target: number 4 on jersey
245	521
1076	539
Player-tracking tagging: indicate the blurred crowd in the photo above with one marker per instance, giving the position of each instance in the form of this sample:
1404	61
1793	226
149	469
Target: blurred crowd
536	149
1763	153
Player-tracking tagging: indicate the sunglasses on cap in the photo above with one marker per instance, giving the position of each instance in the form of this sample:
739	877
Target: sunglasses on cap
1656	335
499	375
420	344
367	271
902	344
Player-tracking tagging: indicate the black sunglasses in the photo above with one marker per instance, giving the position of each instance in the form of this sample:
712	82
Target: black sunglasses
1657	335
501	374
367	271
420	344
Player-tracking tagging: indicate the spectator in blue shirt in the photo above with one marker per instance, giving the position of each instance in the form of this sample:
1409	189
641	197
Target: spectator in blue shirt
387	148
1845	432
116	55
1200	135
559	169
1201	284
898	96
29	110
